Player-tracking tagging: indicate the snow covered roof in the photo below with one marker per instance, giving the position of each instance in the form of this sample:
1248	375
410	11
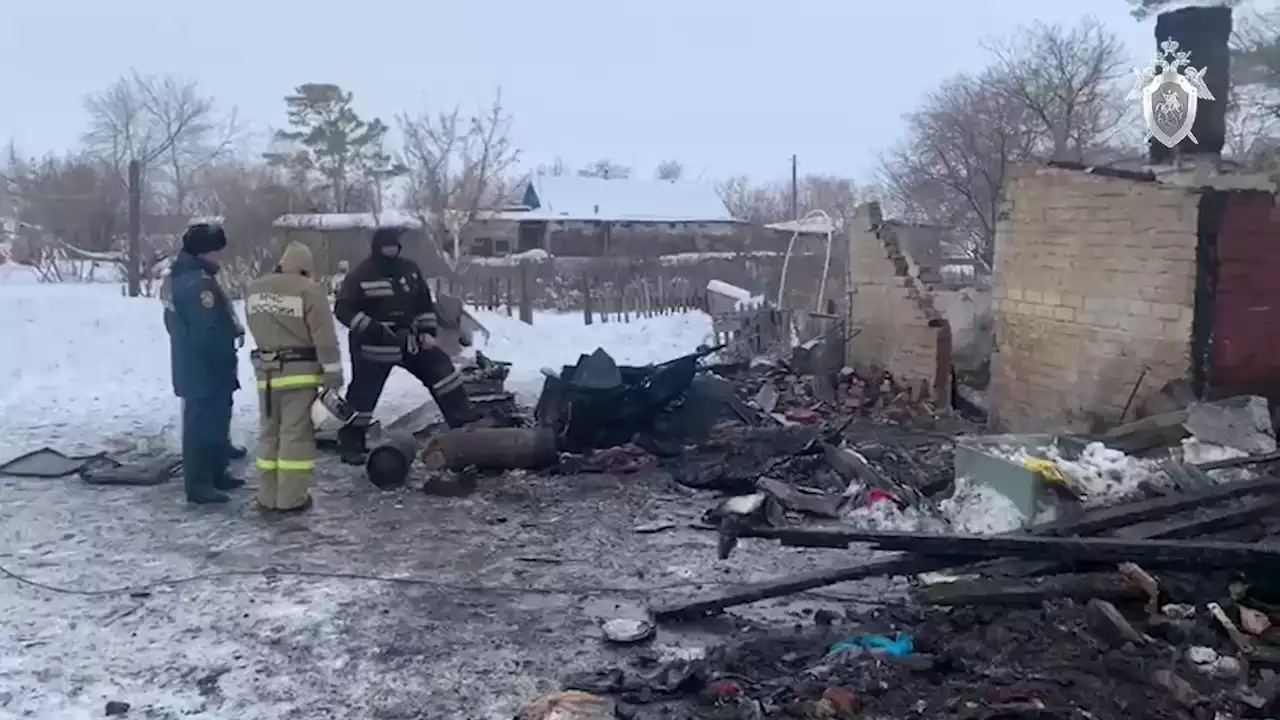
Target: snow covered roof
620	200
347	221
820	225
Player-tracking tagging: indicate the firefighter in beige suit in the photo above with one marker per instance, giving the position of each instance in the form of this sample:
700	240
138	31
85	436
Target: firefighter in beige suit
297	354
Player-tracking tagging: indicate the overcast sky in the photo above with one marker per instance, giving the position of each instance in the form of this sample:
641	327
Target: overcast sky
725	86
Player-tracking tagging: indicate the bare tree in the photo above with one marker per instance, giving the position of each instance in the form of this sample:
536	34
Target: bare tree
669	170
556	168
62	203
141	123
247	197
605	169
771	202
1143	9
960	147
164	122
1066	80
457	165
1253	107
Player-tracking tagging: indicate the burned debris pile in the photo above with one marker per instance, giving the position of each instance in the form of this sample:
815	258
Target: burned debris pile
1139	580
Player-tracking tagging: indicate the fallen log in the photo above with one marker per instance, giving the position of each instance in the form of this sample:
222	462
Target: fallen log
491	448
1029	592
1212	554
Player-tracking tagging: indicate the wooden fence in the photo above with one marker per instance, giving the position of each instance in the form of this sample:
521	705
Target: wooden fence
752	330
601	299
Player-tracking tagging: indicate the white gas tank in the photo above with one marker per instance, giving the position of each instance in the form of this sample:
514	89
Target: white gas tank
330	412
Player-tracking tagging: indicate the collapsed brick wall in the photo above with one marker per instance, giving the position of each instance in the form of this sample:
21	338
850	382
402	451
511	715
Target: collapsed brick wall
1094	281
896	327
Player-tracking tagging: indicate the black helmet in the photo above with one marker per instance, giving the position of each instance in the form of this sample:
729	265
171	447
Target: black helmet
386	237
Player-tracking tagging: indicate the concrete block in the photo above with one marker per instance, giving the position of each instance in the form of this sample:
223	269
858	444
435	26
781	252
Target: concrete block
1140	308
1166	311
1094	303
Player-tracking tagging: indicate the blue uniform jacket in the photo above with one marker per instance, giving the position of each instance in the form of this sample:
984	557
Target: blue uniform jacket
202	330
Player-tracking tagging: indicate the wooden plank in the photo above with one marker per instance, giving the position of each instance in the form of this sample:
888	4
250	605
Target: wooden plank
1098	521
717	601
1010	592
1206	523
1239	462
1204	554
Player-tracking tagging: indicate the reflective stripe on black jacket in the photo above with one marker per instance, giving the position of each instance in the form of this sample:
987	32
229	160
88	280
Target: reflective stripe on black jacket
382	301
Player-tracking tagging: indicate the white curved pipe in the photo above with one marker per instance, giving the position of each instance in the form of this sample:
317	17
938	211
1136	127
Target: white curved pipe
826	263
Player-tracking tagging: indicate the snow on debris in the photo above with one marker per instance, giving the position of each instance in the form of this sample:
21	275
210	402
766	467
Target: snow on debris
733	292
535	255
86	365
973	509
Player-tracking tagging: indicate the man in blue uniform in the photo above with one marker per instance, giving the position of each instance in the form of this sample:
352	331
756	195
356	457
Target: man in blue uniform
202	341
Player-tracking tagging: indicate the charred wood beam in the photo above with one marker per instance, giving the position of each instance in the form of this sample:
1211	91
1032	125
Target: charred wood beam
1100	521
1210	522
1029	592
1211	554
1239	462
715	602
1088	524
718	601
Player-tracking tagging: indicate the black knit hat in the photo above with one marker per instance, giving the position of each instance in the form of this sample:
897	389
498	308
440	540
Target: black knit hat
386	237
203	238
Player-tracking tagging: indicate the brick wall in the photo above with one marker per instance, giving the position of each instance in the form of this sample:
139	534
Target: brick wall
899	330
1094	279
1245	355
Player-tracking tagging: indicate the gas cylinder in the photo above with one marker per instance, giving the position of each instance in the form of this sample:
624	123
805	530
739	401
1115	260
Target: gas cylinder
491	449
389	463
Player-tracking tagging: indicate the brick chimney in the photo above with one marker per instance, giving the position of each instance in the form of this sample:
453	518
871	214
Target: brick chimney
1205	32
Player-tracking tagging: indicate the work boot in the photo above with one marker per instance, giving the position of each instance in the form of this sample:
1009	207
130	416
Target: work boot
305	506
206	496
351	447
228	482
235	452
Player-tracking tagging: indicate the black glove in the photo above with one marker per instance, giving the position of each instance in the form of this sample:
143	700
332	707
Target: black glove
423	326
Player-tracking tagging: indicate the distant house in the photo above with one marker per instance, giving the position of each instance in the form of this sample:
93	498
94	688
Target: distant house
334	237
591	217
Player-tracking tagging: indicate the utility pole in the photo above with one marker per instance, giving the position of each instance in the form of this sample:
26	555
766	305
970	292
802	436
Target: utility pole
133	268
795	191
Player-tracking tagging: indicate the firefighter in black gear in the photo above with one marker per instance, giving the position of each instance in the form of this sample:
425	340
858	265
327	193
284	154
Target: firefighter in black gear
386	304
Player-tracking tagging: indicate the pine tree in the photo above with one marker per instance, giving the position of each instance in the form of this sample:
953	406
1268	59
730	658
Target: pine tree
327	139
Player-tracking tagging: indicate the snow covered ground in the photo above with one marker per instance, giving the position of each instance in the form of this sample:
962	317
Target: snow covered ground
85	369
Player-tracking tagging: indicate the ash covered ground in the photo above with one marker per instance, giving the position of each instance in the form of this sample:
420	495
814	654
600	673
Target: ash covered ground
485	601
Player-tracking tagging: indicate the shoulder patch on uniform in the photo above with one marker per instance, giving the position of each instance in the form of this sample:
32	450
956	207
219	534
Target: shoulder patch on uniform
206	299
